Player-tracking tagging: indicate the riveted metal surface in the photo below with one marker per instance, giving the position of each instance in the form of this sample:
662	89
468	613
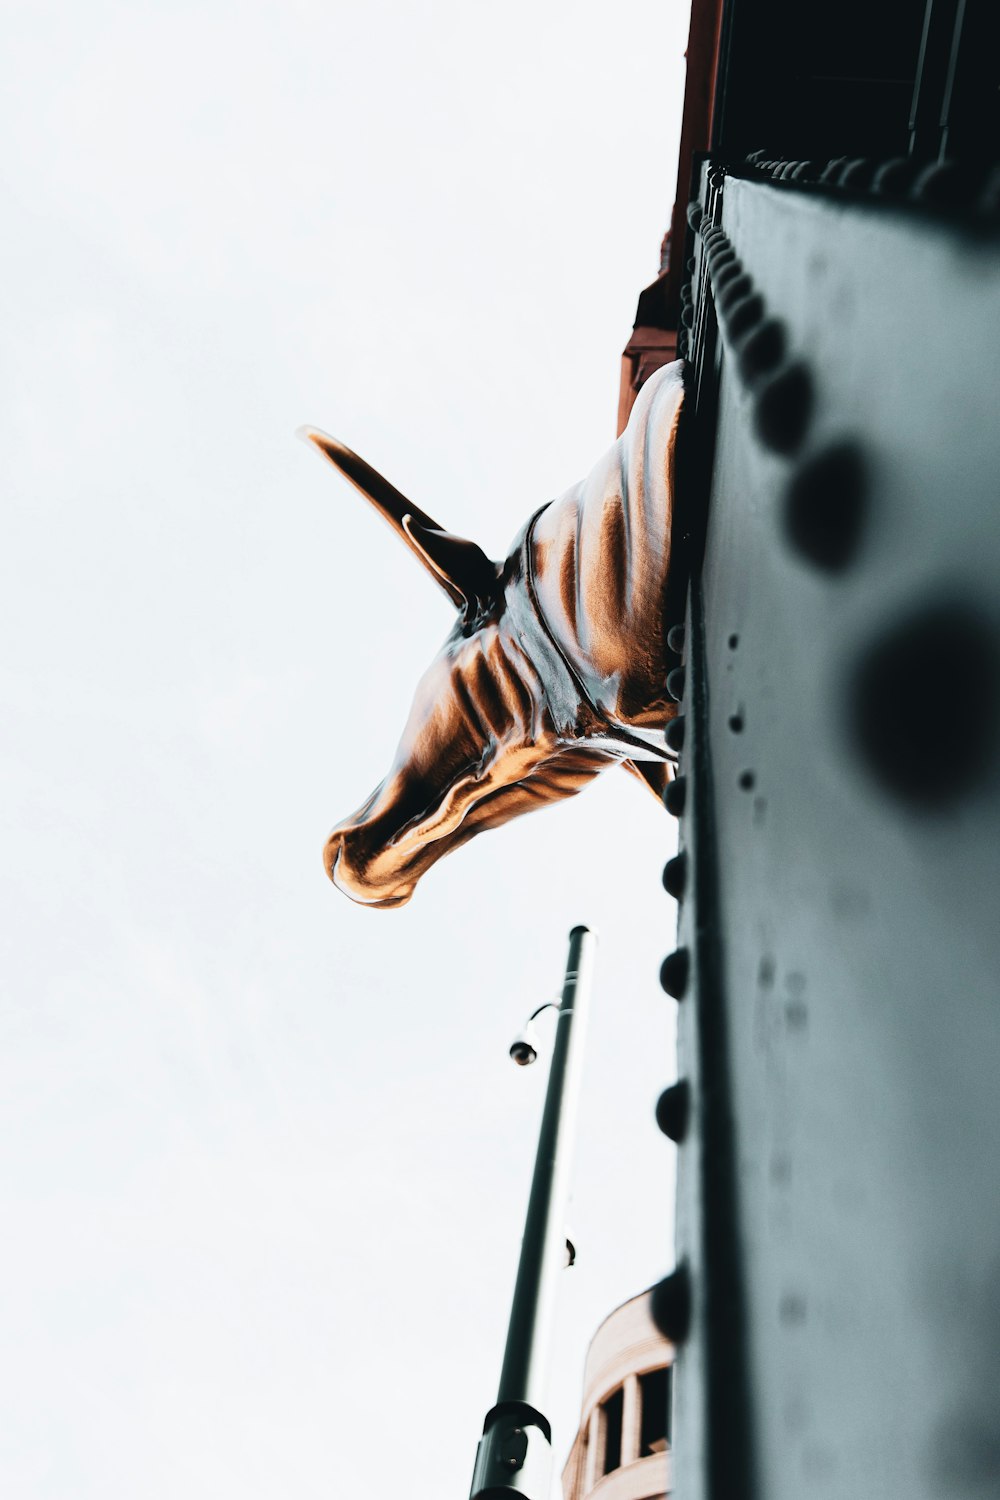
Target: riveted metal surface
844	762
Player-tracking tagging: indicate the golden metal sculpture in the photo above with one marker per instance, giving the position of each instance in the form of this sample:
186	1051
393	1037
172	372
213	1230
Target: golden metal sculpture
554	668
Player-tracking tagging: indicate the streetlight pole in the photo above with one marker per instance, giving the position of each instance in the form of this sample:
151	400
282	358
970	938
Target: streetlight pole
515	1451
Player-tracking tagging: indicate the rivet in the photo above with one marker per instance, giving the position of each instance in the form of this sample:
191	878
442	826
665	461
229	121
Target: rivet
747	781
824	507
856	174
732	292
736	723
687	315
675	876
756	156
742	316
805	171
948	642
675	639
720	255
670	1305
675	796
926	178
674	972
695	213
894	177
777	170
788	169
731	271
674	734
832	170
946	183
784	407
675	684
673	1109
761	350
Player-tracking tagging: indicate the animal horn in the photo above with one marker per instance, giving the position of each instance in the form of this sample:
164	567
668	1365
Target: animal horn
459	567
455	561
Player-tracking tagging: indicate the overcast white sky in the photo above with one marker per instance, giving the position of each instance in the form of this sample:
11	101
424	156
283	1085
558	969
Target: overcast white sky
263	1158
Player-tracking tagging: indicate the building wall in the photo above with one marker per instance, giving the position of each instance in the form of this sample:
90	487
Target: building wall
622	1408
838	1218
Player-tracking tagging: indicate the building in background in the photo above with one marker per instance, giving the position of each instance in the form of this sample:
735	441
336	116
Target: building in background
621	1449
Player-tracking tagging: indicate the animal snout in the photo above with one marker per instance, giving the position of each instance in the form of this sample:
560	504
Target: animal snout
355	874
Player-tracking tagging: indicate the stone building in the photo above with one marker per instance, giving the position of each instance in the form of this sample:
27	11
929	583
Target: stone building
622	1448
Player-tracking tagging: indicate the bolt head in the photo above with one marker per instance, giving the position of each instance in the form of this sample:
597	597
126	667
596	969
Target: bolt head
672	1110
675	796
674	972
743	314
784	408
671	1305
675	876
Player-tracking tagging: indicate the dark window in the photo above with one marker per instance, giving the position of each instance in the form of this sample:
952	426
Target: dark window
611	1415
654	1397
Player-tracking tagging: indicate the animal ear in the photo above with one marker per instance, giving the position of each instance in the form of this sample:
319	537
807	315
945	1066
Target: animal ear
395	508
455	562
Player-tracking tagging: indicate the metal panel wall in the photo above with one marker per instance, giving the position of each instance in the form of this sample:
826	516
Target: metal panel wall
839	1204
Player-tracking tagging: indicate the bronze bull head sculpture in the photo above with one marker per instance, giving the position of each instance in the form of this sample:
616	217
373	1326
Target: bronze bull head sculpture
553	670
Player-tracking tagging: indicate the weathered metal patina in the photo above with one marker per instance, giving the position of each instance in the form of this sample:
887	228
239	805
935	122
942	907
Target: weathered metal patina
553	670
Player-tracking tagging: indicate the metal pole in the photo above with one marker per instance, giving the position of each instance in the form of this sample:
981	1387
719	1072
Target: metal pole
515	1453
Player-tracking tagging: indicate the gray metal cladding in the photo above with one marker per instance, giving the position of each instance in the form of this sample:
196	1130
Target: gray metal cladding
841	895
